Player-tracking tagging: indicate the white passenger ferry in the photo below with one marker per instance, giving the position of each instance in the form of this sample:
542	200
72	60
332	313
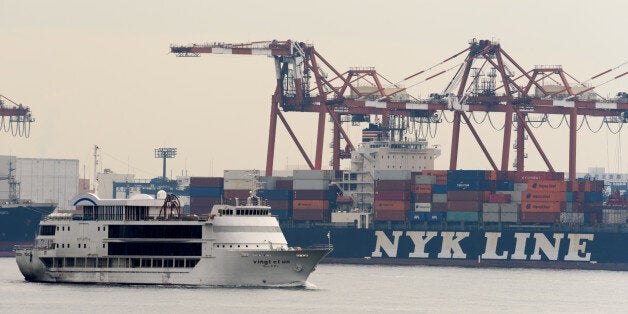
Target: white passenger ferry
143	240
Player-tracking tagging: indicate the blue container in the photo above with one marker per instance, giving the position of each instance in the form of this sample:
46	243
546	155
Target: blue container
439	189
569	196
275	194
205	192
431	217
504	185
281	214
466	175
593	197
416	216
469	185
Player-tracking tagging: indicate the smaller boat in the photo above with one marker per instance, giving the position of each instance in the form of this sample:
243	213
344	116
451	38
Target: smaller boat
146	240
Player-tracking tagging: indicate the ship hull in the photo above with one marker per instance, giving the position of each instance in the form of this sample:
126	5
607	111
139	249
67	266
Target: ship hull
229	268
19	224
522	248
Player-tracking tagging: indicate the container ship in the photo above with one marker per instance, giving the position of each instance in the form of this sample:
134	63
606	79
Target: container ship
393	208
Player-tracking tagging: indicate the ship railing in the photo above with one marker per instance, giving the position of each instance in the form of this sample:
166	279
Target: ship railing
320	246
22	247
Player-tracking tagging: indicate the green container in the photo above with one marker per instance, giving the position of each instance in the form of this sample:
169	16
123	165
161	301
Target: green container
569	196
463	216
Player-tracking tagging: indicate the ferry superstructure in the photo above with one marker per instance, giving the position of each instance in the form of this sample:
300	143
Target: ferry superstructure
143	240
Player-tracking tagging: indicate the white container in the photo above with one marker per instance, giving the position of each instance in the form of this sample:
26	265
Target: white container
310	184
241	174
423	207
572	218
314	175
614	216
439	198
490	208
521	187
239	184
490	217
392	175
509	208
509	217
424	180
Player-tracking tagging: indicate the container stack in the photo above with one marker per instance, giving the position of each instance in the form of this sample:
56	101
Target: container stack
543	201
429	195
311	195
205	192
277	194
238	185
466	192
391	195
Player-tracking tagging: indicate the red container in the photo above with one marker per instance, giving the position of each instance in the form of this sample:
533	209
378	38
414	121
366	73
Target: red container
421	188
280	204
392	195
543	207
422	198
465	195
390	215
392	185
499	198
525	176
310	204
439	207
283	185
540	217
464	206
543	196
391	205
203	205
242	195
202	182
317	215
550	186
310	194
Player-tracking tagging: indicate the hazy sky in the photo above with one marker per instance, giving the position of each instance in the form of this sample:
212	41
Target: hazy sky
99	72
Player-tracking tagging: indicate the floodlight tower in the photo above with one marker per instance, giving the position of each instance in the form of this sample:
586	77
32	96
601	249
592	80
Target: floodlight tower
165	153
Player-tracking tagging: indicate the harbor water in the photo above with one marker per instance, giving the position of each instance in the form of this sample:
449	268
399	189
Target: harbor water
340	289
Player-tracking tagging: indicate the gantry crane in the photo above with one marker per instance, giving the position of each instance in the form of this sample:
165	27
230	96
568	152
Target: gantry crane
15	119
487	80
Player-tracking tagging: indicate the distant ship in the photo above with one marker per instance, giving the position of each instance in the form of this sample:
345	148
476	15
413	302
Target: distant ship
143	240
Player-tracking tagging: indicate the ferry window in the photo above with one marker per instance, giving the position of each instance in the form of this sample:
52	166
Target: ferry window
57	243
84	245
79	245
98	228
103	245
230	245
103	228
57	228
62	228
62	245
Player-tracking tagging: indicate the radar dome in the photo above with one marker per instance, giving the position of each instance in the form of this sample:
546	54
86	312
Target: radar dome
161	195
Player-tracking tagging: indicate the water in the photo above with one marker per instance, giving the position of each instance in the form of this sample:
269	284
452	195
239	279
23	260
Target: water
341	289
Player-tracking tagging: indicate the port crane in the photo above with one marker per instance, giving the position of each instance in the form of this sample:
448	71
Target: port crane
15	119
487	80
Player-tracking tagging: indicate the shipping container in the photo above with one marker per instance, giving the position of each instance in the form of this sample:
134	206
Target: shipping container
614	216
421	179
455	216
241	174
310	204
205	191
275	194
309	214
279	204
310	184
439	188
525	176
317	175
515	196
421	188
504	185
572	218
593	197
468	175
540	217
310	194
544	196
392	195
283	184
439	198
490	208
520	187
468	185
422	198
553	186
240	184
439	207
499	198
422	207
441	175
390	215
242	195
430	217
392	185
543	207
509	208
203	205
467	206
206	182
465	196
391	205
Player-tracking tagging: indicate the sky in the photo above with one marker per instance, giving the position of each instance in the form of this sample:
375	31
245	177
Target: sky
99	73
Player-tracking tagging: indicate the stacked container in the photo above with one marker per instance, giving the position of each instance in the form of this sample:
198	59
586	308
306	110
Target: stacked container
205	192
311	194
278	195
543	201
238	185
391	195
466	192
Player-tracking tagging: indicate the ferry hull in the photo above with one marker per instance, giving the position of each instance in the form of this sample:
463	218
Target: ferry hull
231	268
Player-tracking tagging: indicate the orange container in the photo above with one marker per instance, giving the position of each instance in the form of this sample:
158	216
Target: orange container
391	205
543	196
441	175
492	175
310	204
541	185
421	189
541	207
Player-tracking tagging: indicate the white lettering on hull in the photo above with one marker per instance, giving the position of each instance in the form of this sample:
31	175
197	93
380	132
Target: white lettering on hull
451	245
578	246
420	239
520	246
491	246
543	244
383	243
